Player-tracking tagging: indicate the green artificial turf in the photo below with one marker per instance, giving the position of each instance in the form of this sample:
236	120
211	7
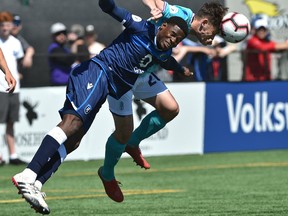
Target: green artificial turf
236	184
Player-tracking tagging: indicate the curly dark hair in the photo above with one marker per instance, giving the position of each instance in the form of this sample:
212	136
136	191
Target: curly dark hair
214	11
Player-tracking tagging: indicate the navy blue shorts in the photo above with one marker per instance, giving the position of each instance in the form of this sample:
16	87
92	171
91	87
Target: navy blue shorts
86	91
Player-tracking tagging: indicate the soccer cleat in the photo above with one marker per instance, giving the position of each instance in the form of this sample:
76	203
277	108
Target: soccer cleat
137	156
31	194
112	188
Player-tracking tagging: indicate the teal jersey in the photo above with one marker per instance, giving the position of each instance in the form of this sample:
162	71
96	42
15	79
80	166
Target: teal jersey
176	10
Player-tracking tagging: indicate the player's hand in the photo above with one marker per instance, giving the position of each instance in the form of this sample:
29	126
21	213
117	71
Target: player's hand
187	72
11	83
155	14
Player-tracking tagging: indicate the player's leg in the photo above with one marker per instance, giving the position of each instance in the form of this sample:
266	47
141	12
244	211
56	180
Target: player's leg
58	158
156	94
75	123
115	145
123	120
166	109
24	181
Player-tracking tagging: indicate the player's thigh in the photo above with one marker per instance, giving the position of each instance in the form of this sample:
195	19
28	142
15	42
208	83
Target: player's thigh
148	86
164	101
122	106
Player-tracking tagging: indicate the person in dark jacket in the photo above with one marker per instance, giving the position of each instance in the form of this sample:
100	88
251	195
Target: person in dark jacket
60	57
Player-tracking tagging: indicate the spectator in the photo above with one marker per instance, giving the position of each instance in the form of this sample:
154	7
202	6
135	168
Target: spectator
77	43
217	69
91	37
7	82
29	51
10	104
60	56
196	57
258	53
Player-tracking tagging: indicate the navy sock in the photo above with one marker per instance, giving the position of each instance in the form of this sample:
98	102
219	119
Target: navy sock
52	165
49	168
113	153
47	149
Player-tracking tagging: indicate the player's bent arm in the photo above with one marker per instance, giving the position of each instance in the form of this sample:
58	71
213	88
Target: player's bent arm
172	64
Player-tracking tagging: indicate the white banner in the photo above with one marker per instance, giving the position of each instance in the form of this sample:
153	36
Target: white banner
39	114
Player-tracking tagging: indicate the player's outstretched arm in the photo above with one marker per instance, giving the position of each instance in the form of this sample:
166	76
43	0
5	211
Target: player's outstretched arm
8	76
172	64
109	6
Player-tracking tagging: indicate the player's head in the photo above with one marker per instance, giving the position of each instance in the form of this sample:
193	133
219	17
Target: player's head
171	33
207	21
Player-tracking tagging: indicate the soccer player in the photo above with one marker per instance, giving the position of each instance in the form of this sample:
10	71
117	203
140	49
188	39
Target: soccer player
205	24
114	71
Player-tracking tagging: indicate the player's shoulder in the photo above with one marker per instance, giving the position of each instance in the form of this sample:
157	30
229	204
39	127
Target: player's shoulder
176	10
136	23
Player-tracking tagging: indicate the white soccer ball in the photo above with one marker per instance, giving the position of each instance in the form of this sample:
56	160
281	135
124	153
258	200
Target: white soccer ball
235	27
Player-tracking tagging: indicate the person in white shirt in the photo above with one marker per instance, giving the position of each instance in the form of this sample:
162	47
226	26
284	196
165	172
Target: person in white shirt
94	46
10	104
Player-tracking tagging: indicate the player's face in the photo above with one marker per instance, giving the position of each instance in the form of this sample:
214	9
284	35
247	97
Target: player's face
169	36
205	33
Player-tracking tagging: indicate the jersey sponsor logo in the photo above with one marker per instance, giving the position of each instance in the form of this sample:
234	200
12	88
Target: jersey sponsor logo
173	10
136	18
87	109
89	86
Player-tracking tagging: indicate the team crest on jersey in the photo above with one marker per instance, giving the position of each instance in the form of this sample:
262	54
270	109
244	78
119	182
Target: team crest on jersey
173	10
87	109
136	18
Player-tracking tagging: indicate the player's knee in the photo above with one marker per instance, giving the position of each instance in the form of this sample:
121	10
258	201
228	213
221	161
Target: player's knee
71	124
122	136
169	113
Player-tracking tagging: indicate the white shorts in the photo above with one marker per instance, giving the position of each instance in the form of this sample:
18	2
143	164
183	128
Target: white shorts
146	86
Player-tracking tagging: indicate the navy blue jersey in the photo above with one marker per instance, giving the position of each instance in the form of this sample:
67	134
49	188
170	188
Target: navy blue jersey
115	70
132	52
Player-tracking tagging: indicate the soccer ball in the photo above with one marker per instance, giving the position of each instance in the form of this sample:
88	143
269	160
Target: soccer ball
235	27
